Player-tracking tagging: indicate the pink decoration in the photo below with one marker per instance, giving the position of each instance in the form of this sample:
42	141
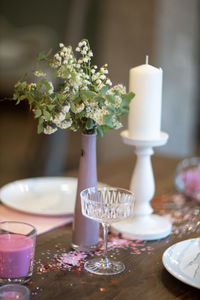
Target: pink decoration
191	179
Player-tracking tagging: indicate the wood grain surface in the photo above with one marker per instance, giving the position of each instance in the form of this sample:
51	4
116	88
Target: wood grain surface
145	277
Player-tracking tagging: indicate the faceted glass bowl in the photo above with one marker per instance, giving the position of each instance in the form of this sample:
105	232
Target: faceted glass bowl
187	177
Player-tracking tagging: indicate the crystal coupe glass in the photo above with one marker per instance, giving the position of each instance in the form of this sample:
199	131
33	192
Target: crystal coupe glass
106	205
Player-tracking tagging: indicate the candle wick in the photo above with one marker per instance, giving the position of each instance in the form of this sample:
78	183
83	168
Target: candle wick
147	59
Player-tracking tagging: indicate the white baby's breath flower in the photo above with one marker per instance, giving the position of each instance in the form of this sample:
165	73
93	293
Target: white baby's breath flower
57	56
98	81
97	115
79	108
49	130
119	87
65	124
108	81
51	89
61	45
94	77
66	108
58	118
77	49
39	74
103	77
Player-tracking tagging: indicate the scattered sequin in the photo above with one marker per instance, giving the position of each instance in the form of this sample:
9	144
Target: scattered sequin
183	212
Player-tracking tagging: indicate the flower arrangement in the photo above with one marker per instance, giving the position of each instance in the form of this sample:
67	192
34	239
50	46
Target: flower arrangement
82	96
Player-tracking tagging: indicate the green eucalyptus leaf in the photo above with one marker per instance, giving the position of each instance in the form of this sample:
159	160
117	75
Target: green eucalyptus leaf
47	115
41	55
124	111
126	98
76	95
110	98
99	131
88	94
40	127
108	120
51	107
110	108
67	116
106	128
104	90
89	124
73	107
99	99
37	113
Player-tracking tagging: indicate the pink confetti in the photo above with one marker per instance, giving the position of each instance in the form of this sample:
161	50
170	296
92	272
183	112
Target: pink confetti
71	258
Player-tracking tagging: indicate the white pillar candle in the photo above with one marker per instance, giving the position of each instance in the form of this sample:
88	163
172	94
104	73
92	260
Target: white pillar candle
144	118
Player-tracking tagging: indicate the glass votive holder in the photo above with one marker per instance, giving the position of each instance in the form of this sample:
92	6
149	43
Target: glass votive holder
17	249
187	177
14	292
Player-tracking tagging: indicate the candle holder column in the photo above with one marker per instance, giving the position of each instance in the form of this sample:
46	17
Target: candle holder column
143	225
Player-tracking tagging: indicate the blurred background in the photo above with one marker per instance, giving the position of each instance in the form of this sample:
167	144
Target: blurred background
121	33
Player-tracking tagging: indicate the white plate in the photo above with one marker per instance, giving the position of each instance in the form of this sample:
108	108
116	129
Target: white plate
50	196
182	260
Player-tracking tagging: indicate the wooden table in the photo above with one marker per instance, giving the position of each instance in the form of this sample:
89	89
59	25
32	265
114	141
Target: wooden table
144	278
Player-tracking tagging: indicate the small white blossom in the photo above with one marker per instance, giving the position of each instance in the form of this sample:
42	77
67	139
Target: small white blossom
39	74
49	130
108	81
66	108
103	77
61	45
51	90
94	77
65	124
79	108
32	85
77	49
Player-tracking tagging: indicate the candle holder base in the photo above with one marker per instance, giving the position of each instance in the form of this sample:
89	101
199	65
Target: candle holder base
150	227
144	225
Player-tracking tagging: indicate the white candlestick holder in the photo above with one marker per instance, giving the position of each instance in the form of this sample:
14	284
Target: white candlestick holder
144	225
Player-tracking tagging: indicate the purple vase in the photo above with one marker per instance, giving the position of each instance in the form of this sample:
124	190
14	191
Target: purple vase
85	231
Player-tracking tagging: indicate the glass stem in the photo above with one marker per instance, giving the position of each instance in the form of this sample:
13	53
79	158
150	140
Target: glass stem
105	235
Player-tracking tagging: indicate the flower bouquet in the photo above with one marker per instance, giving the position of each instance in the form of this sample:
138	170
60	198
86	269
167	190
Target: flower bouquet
69	92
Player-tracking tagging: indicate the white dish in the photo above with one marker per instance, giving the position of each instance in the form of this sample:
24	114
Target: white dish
182	260
50	196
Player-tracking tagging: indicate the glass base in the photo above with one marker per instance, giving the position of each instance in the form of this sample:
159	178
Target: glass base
20	280
100	266
84	248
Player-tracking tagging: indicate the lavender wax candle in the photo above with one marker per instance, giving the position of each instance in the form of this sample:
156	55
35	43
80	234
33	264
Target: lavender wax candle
17	244
15	255
14	291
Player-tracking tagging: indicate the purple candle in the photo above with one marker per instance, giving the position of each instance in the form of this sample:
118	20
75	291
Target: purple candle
11	295
16	253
